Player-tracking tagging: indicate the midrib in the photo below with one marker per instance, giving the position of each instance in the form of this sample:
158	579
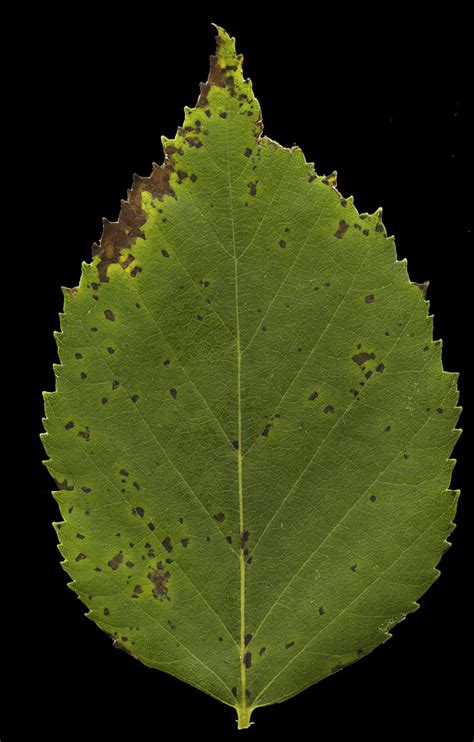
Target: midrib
243	679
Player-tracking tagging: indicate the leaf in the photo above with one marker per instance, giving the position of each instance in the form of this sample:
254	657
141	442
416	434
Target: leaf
251	426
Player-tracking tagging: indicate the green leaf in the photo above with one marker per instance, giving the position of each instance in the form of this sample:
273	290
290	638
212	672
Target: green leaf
251	427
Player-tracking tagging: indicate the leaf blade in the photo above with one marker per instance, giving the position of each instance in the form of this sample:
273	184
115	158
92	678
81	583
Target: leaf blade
243	335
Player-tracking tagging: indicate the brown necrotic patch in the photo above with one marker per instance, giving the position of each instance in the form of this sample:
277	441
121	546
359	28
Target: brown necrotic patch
159	579
118	237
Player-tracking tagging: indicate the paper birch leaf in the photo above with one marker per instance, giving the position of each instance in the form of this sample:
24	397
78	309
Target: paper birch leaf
251	428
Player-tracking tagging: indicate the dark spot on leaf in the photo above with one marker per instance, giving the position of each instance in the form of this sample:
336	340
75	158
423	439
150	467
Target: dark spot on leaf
108	314
289	644
267	429
361	358
69	425
129	564
235	445
248	152
159	579
220	517
328	409
248	659
354	567
165	253
106	612
440	410
282	244
321	611
80	557
85	434
366	232
244	537
252	188
313	396
234	691
342	229
173	393
115	562
262	651
137	590
369	299
110	350
115	384
223	115
380	368
104	400
387	429
247	639
135	398
185	542
78	356
167	544
151	526
80	535
372	498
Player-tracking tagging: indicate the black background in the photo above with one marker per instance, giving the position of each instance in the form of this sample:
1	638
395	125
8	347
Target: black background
381	98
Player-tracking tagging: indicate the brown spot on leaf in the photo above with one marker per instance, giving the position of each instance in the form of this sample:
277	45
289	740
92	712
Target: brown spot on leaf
115	562
282	244
361	358
137	590
252	188
108	314
328	409
342	229
80	557
244	537
159	579
167	544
